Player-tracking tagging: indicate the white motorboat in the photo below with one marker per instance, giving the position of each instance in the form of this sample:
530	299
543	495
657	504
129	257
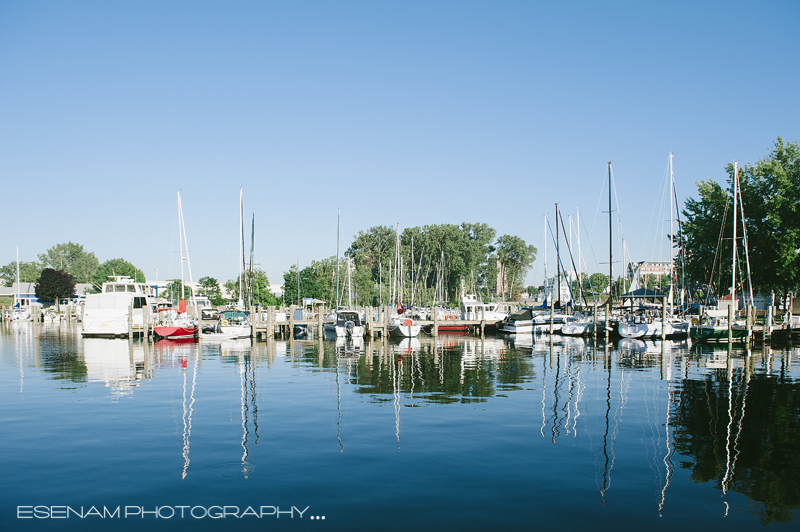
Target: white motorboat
107	314
345	324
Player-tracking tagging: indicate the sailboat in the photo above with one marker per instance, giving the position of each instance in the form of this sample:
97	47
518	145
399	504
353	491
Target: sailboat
20	313
344	322
401	325
235	323
649	326
717	328
179	325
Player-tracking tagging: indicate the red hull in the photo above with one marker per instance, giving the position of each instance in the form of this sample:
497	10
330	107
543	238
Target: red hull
174	332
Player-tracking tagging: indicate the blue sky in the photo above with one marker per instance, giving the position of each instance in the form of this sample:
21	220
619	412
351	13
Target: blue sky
395	112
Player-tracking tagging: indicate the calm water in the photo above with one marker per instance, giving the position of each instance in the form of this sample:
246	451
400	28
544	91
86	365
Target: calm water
453	434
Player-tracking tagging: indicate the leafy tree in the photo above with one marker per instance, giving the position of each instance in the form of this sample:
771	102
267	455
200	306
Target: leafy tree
28	272
596	284
71	258
515	258
209	287
53	284
255	284
116	267
317	281
770	194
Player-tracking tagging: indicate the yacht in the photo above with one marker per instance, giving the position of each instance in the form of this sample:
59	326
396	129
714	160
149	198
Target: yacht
106	314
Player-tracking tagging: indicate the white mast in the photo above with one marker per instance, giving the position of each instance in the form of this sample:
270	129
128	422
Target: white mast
671	233
180	241
240	303
349	287
186	246
578	232
17	302
735	204
545	256
338	221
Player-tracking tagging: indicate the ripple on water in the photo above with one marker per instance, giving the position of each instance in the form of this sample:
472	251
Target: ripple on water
232	470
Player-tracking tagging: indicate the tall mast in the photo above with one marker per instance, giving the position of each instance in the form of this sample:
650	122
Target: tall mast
17	302
578	232
251	282
545	255
735	204
338	221
240	303
610	240
558	263
671	234
180	241
349	287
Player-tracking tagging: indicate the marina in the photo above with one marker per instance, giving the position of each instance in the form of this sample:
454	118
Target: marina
384	434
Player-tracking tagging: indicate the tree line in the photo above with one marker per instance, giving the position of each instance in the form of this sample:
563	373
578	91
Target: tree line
421	265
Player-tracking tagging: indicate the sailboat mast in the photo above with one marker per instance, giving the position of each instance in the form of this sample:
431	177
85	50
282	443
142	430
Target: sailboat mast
610	240
735	205
338	226
241	250
578	233
671	237
252	282
349	287
17	302
558	265
180	241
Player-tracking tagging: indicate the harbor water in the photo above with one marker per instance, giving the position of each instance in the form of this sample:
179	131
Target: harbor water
447	433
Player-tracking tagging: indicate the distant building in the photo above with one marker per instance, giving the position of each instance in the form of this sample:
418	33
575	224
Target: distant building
648	268
23	293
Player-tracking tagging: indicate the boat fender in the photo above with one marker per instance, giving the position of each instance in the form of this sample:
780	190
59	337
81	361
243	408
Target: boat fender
224	323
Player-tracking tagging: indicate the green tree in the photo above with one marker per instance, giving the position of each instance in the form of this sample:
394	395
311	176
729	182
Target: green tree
53	284
256	288
209	287
28	272
595	284
770	195
317	281
515	258
71	258
119	267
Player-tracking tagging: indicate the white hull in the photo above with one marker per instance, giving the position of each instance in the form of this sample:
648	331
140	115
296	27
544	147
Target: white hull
404	328
653	329
236	331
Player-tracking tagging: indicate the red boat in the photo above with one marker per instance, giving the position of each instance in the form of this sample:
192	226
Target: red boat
175	328
173	332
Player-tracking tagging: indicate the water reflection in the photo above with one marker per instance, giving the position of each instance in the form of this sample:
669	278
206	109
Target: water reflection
726	418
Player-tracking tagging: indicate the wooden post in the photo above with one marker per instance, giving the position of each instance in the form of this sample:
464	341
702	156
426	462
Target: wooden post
551	319
594	323
768	322
483	320
130	321
291	321
146	321
435	320
663	318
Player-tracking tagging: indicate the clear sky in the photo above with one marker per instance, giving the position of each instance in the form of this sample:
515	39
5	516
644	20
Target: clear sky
395	112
